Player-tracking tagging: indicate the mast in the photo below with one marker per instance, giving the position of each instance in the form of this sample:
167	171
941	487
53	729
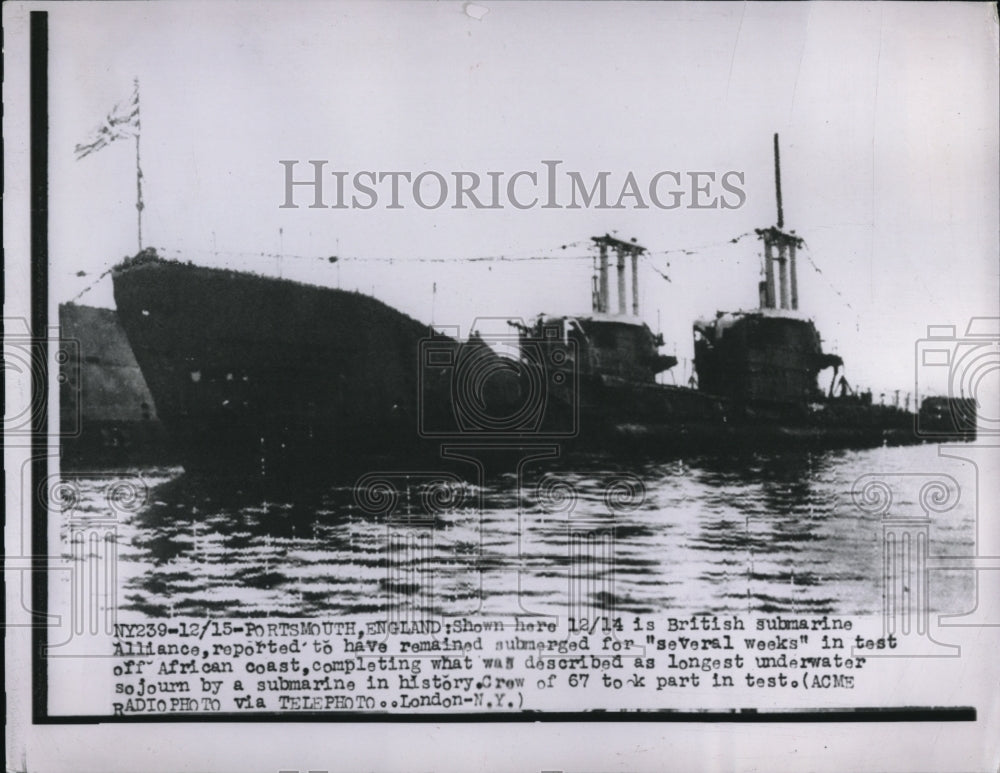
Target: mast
139	205
783	289
602	291
621	280
777	181
635	283
622	249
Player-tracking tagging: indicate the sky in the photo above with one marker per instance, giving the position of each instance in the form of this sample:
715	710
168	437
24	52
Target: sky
887	116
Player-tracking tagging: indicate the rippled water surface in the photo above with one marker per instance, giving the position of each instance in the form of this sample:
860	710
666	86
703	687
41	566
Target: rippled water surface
771	533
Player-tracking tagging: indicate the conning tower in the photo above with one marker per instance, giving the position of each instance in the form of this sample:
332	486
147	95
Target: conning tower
772	354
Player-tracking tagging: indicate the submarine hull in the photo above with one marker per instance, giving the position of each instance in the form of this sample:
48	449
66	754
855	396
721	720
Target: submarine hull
256	374
267	377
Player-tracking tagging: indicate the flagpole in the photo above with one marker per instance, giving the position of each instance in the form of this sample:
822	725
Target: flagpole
121	122
138	168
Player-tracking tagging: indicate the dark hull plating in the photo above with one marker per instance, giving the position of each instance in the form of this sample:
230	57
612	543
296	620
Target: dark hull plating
269	376
272	378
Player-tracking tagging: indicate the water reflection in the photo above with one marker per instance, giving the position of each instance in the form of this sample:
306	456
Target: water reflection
769	533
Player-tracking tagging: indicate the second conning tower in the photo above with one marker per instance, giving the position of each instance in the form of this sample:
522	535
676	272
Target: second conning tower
772	354
613	347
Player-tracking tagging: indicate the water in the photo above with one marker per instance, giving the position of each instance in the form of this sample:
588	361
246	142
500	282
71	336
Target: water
775	533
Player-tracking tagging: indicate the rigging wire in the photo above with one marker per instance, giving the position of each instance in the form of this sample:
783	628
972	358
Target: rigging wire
806	251
557	254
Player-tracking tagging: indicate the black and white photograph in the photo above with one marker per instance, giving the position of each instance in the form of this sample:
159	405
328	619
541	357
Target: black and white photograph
520	386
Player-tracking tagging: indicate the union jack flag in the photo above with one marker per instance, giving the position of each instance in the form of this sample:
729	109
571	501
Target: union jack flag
121	122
